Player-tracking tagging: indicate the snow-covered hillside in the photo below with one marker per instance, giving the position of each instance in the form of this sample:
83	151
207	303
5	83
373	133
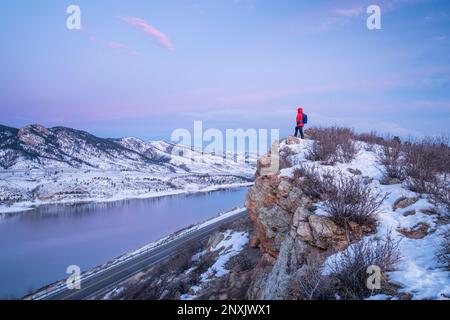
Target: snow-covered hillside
414	221
323	222
44	165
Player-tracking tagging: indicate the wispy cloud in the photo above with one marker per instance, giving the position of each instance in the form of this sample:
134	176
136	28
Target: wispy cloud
120	46
116	45
160	38
349	12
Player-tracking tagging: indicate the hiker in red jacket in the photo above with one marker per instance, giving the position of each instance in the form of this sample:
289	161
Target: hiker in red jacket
302	119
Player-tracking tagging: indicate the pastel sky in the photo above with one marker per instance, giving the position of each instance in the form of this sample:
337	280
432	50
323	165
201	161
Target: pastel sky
145	68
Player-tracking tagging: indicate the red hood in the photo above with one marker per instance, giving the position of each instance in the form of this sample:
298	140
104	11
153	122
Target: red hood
300	110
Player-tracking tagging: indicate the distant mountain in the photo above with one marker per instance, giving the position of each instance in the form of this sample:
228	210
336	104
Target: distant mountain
37	147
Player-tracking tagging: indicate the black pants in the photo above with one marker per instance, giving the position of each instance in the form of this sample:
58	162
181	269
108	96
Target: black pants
299	129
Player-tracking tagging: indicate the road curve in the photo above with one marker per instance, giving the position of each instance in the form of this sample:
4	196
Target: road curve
106	280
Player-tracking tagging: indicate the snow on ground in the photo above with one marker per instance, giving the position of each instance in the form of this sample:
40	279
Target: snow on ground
30	188
419	272
113	293
231	245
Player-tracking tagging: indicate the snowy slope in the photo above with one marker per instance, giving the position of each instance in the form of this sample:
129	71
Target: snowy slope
419	272
45	165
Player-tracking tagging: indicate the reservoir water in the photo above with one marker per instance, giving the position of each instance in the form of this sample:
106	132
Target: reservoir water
37	246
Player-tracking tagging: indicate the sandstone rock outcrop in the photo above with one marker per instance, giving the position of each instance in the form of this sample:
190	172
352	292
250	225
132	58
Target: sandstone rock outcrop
290	235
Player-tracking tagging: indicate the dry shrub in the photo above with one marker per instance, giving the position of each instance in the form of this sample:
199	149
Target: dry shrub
351	198
443	252
311	284
440	193
331	145
350	266
424	161
371	140
391	157
312	182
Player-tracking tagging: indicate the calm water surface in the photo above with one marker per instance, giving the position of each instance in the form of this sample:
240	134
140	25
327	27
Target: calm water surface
37	246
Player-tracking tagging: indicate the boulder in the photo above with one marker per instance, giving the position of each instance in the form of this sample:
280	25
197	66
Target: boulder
300	215
292	140
356	172
404	202
326	233
419	231
304	232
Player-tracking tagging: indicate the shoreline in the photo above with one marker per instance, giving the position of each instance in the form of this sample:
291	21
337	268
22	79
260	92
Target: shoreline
25	206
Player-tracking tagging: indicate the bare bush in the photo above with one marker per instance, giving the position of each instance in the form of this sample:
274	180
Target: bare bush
324	148
443	252
424	161
440	194
312	182
370	139
350	266
351	198
331	145
311	284
392	160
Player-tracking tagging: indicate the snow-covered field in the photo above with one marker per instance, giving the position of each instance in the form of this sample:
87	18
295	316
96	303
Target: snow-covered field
38	187
419	272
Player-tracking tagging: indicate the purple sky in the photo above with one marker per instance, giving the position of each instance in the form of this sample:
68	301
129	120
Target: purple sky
145	68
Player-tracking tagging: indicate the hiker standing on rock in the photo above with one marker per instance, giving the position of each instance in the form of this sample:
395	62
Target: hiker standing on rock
302	119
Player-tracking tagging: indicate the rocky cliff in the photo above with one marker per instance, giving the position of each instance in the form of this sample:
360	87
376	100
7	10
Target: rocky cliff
292	237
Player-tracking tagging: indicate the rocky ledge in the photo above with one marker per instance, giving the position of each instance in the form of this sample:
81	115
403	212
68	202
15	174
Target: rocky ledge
291	236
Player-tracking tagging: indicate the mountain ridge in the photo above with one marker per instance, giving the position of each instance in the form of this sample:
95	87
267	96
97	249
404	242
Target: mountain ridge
37	147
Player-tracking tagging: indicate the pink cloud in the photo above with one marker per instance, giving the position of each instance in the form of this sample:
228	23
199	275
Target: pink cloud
157	35
116	45
91	34
120	46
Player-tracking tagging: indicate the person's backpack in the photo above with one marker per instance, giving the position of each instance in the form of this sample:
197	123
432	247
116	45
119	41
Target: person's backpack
305	118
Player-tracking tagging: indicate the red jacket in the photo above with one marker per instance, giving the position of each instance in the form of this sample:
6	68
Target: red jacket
300	117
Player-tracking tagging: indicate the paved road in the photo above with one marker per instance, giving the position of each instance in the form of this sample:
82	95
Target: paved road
101	282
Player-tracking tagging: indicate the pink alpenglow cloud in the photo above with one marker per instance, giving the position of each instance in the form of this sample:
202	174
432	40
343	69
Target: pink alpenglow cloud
159	37
120	46
117	45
